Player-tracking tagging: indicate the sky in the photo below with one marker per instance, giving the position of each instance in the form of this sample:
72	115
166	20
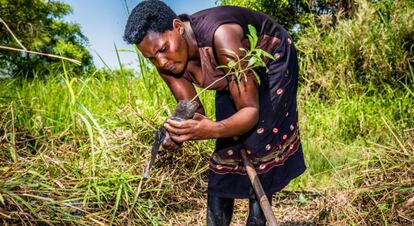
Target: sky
103	23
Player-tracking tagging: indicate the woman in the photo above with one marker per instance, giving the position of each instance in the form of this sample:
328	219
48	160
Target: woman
258	117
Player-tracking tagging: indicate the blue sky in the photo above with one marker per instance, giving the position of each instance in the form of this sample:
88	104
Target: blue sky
103	22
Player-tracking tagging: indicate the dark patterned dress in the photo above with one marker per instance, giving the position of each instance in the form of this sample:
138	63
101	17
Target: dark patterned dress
273	145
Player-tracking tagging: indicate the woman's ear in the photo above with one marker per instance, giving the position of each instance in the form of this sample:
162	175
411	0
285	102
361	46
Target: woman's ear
178	24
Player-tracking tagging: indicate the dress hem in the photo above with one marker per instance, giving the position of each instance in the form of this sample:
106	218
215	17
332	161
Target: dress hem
297	173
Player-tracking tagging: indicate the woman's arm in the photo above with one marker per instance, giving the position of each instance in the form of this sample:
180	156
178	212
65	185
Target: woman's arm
245	97
245	94
182	89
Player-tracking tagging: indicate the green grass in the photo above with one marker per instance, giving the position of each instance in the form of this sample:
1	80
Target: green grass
80	144
338	133
72	149
76	146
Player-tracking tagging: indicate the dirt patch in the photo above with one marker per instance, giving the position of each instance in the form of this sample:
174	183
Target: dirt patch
288	207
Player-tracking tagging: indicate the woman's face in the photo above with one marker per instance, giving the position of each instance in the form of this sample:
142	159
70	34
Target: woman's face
168	51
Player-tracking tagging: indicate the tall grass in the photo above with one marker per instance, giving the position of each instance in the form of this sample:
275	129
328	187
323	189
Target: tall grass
72	149
375	47
358	105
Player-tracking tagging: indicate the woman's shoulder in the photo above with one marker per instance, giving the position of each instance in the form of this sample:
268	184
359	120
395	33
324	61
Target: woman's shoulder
222	11
206	22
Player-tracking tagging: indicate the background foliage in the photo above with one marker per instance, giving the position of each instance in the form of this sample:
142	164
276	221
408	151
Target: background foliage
38	25
72	149
294	14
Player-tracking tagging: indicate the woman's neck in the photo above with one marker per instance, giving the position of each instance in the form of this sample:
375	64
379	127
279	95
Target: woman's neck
189	36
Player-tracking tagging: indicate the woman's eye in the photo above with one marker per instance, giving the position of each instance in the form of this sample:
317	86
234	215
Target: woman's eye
163	49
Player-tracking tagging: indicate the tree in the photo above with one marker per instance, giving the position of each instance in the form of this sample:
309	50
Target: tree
292	14
39	26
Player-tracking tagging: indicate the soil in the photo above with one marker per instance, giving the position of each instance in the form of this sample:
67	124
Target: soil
289	209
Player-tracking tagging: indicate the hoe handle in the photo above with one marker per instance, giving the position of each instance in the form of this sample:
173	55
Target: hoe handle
258	189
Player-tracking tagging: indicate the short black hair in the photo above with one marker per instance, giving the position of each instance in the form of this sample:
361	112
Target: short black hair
149	15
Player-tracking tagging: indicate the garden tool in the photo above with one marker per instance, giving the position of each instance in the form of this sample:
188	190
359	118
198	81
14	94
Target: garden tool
258	189
183	111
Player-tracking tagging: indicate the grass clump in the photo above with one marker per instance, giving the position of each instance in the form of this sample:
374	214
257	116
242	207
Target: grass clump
375	47
357	104
72	149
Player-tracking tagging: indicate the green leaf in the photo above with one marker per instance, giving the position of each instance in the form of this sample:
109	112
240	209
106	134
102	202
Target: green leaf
256	76
302	198
95	123
266	54
237	74
2	200
222	66
88	126
117	202
260	63
231	63
383	206
251	42
252	61
150	204
252	36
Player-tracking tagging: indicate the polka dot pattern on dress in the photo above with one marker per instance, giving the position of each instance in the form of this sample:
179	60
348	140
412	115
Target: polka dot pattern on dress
268	147
277	56
262	167
230	152
260	130
284	137
275	130
279	91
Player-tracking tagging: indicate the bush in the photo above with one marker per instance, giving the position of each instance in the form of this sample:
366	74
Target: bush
373	47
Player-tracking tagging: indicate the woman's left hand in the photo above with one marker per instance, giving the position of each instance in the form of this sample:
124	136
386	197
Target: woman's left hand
198	128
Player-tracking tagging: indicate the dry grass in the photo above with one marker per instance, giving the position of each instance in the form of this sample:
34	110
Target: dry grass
382	189
72	150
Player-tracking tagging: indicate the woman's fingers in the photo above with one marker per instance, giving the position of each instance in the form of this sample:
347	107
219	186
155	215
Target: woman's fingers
169	144
180	131
177	124
198	116
191	129
180	138
177	130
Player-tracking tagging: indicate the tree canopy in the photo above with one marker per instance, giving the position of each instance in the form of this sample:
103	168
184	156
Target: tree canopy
39	26
291	13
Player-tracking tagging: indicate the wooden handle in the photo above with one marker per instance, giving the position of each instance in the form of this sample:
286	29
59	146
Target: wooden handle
258	189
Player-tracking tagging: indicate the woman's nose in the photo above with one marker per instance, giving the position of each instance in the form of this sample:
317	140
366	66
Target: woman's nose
162	62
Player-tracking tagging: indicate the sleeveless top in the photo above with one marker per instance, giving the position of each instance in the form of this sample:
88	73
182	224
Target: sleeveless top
206	22
273	145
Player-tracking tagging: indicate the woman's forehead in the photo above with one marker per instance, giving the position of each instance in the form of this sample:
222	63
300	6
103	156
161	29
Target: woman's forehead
151	43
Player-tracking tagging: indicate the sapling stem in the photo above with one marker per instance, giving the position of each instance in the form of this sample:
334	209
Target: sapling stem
252	58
